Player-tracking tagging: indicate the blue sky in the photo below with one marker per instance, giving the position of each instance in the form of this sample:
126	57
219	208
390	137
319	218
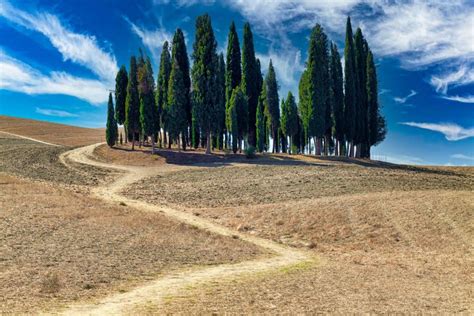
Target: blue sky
58	58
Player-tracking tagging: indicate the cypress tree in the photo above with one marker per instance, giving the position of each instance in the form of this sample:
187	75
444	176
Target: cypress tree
121	81
337	97
251	77
233	73
260	121
180	53
204	75
289	119
148	113
377	125
306	108
177	102
111	127
221	101
132	103
237	101
273	106
162	86
350	78
361	119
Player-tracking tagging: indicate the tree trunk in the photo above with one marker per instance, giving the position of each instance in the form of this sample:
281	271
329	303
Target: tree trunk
368	151
133	141
183	141
291	146
152	145
208	143
351	149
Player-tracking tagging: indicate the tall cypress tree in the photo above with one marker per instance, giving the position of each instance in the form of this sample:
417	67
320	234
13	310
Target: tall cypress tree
237	101
162	85
260	120
376	122
350	78
221	100
305	106
251	77
111	127
337	97
204	74
121	81
361	130
289	119
132	103
180	53
148	113
177	102
233	73
273	106
319	81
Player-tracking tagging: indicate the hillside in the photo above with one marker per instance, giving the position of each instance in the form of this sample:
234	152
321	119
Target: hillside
59	134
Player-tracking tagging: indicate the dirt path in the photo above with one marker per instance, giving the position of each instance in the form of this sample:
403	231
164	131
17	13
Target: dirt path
32	139
169	285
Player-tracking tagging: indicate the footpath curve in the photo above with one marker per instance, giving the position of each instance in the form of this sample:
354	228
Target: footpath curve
155	291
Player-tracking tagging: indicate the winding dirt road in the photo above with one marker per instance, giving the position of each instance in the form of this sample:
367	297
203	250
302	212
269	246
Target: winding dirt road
154	292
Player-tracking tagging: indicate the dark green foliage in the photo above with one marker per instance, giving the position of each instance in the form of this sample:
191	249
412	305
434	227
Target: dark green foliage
162	85
361	119
377	125
177	104
289	118
250	152
233	73
260	120
111	127
305	105
221	101
195	132
319	78
350	78
132	103
251	81
204	74
180	53
121	81
146	90
272	105
337	93
238	103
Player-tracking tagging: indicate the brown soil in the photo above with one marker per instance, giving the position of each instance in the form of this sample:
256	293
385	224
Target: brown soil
40	162
58	246
393	238
60	134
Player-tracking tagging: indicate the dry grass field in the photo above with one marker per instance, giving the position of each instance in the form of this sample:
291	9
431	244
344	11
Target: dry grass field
385	238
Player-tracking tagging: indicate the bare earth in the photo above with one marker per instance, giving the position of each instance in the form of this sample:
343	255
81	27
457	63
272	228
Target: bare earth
189	233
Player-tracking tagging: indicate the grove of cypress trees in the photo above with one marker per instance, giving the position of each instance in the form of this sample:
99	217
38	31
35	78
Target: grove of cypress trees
350	78
260	121
132	103
162	86
289	119
148	114
111	131
337	97
204	73
273	106
377	125
176	106
251	81
121	81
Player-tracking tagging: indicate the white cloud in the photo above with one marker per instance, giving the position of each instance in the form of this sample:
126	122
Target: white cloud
79	48
451	131
461	99
20	77
463	157
402	100
152	39
58	113
461	76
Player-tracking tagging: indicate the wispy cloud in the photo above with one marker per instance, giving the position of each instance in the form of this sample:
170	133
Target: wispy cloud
57	113
402	100
79	48
451	131
461	76
20	77
461	99
463	157
152	39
